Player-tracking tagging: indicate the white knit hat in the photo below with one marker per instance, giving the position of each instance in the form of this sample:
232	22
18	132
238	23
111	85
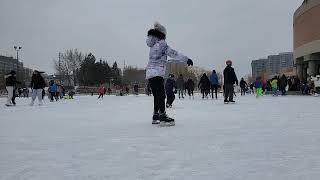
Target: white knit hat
159	27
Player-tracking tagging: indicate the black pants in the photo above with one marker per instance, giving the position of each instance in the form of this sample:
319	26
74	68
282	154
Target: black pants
205	92
159	95
283	91
170	97
243	91
100	96
228	92
53	96
214	87
43	93
190	92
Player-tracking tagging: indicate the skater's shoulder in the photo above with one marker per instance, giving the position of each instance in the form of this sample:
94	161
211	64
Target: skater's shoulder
162	42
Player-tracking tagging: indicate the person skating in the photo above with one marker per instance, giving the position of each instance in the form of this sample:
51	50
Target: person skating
230	78
316	82
251	88
37	85
101	92
136	89
171	89
258	86
11	83
148	89
214	81
274	86
180	86
243	87
53	91
190	87
71	93
155	71
185	88
283	84
20	92
204	85
264	85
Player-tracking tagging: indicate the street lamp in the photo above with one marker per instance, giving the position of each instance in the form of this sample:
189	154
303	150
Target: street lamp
110	82
17	48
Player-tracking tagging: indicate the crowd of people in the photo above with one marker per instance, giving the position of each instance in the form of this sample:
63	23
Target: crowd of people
37	86
282	84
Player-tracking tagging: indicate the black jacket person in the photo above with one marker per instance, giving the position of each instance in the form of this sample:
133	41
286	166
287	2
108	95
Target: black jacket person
230	78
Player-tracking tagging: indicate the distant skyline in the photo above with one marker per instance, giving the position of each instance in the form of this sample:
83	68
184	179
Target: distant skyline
209	32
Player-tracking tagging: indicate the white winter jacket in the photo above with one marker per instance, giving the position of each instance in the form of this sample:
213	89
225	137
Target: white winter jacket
159	51
316	81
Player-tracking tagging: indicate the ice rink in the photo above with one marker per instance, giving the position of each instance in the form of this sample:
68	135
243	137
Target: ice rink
271	138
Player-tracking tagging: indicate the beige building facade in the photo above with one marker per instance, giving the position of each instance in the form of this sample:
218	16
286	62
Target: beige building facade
306	27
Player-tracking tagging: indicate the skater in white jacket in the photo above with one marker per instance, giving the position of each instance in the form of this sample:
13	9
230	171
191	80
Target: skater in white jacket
316	81
156	68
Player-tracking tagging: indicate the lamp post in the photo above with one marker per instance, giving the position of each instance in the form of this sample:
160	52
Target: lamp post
17	48
110	82
60	74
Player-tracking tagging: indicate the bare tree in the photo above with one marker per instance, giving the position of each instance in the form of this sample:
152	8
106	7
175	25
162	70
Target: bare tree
69	65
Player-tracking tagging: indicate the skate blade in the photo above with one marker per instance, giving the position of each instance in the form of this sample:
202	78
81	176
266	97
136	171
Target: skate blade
155	122
166	124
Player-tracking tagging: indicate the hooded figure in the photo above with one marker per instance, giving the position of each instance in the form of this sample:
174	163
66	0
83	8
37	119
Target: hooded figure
204	85
156	68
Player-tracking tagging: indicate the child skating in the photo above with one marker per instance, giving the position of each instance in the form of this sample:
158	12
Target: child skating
171	89
258	86
274	85
156	68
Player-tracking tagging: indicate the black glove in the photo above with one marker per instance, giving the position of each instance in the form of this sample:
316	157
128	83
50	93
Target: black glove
190	62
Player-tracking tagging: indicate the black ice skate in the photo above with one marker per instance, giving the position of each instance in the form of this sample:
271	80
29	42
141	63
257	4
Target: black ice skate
165	120
155	118
169	105
226	101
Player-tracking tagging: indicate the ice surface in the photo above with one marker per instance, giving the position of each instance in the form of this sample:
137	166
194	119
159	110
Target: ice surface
271	138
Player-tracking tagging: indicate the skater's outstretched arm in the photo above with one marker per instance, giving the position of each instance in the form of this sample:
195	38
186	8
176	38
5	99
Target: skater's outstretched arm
7	75
172	53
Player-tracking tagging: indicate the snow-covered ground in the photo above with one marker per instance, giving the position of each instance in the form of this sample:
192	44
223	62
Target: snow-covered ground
271	138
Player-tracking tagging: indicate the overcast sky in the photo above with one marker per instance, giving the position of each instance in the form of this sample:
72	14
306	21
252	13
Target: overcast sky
208	31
